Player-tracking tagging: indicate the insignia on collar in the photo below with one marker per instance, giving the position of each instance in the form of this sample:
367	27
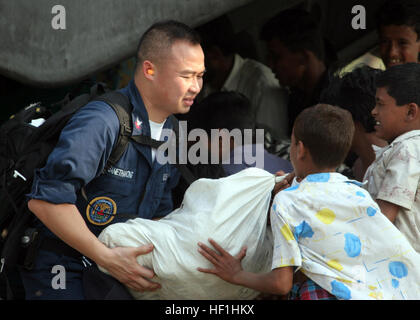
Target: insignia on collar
138	124
101	211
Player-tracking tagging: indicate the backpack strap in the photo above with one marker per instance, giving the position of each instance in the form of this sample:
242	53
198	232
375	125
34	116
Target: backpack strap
123	108
148	141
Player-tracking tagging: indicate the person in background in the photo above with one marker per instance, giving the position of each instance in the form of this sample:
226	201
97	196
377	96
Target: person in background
230	111
226	70
298	57
398	25
355	92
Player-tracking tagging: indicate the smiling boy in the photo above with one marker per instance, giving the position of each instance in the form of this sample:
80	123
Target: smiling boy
393	178
398	25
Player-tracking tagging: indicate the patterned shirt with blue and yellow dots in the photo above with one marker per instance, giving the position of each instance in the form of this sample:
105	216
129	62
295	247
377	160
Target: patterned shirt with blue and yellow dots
330	228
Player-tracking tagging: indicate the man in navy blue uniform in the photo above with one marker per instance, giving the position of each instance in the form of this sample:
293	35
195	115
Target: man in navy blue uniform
72	196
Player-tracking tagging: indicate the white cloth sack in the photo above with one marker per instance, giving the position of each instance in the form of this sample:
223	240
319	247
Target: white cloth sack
232	211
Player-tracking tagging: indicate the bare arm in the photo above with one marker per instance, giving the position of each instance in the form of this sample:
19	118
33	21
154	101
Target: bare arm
65	221
278	281
390	210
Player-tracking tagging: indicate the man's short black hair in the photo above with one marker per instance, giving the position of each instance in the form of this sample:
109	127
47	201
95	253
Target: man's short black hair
355	92
402	83
159	37
400	13
297	30
218	33
327	132
222	110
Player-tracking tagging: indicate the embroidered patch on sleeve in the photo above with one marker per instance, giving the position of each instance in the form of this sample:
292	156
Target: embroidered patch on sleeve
101	211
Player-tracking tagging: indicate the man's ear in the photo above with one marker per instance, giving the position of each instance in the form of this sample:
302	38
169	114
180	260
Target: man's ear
413	111
148	69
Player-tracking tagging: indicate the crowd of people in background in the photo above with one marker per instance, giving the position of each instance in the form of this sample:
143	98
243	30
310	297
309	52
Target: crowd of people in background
384	105
306	69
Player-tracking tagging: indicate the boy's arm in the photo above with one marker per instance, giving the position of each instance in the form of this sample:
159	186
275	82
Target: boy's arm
390	210
278	281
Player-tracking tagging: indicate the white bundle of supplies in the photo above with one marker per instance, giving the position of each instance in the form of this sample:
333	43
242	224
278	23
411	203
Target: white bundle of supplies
233	211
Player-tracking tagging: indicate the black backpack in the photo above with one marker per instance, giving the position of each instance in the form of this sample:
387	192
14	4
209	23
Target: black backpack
24	147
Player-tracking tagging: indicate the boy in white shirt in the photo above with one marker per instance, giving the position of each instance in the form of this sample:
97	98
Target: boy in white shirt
327	226
393	178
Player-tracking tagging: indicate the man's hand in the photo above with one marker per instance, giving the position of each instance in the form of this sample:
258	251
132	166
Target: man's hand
226	266
122	265
67	223
285	183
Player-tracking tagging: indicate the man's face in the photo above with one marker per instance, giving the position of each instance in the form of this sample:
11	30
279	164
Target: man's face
398	45
286	65
388	116
179	77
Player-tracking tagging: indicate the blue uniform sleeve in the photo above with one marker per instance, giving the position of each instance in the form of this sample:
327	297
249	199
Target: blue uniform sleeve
80	155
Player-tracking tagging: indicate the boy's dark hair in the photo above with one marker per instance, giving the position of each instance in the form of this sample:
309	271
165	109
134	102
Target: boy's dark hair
222	110
355	92
159	37
327	132
402	83
219	33
400	12
297	30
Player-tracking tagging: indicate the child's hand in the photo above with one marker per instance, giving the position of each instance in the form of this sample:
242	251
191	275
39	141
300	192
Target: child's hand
285	183
226	266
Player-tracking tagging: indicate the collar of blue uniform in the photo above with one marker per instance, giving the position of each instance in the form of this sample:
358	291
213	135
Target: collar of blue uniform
140	118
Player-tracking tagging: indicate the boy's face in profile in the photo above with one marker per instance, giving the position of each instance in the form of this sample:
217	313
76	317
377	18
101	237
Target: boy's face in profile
398	44
390	118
